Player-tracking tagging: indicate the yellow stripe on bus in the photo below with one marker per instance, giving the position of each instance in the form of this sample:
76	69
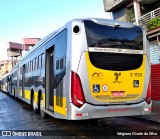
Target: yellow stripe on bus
61	110
27	95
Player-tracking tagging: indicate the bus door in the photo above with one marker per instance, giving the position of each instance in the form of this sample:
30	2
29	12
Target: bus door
23	80
10	84
49	78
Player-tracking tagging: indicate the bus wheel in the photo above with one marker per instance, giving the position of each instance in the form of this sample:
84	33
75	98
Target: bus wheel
42	108
14	94
34	105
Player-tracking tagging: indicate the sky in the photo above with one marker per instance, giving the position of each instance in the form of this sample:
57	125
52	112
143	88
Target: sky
36	18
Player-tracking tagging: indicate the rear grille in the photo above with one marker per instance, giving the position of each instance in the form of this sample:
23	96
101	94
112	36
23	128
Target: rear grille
115	61
59	94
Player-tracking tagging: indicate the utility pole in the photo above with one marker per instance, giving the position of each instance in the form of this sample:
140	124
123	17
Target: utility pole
136	10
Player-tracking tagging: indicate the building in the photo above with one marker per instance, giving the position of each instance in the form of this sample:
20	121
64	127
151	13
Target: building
140	12
130	10
15	51
5	67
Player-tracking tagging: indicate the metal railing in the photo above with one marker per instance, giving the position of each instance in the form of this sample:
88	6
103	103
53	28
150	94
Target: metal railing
143	20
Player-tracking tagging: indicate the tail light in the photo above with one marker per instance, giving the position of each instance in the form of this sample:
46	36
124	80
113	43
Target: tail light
148	96
76	90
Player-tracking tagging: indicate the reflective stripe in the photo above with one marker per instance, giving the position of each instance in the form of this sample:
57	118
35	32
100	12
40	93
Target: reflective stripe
115	50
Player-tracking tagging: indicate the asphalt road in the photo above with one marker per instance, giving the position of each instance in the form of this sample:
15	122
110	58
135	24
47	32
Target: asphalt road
18	116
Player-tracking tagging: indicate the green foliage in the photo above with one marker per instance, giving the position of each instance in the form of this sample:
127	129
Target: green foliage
130	14
154	23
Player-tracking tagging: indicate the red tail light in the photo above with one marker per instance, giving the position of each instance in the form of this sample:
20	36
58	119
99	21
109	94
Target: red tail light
148	96
76	90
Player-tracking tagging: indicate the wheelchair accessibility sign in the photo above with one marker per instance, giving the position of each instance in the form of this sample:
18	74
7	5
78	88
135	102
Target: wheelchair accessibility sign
96	88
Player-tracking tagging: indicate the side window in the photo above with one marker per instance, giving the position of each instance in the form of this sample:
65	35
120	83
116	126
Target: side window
21	71
60	55
61	63
39	61
28	67
57	65
35	64
32	64
43	60
60	51
61	45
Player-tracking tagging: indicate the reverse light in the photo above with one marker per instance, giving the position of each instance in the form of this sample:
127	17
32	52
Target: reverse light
148	96
76	90
147	109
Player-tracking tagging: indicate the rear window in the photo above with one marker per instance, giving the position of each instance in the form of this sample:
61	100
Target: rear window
113	37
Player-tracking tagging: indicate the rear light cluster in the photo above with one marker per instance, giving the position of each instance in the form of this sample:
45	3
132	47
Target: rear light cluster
148	96
77	94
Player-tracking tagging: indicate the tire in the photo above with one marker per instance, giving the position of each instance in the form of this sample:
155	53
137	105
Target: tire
14	94
34	105
42	108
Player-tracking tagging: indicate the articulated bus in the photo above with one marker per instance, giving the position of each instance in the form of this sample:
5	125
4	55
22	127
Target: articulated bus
89	68
4	83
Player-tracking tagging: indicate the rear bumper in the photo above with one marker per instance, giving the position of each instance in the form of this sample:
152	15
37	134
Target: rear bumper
88	111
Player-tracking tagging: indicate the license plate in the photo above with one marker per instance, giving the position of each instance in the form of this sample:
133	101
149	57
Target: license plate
118	94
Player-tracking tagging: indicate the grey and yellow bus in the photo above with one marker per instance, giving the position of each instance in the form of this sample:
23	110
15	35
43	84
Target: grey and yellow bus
4	83
89	68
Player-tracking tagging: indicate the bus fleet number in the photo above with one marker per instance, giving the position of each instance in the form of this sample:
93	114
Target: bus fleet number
136	74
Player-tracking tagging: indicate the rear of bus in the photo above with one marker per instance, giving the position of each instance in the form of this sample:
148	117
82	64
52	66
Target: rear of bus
113	73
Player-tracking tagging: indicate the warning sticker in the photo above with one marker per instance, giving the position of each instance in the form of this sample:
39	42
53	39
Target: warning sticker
105	88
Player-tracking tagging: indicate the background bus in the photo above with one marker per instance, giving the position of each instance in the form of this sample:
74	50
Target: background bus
4	83
90	68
